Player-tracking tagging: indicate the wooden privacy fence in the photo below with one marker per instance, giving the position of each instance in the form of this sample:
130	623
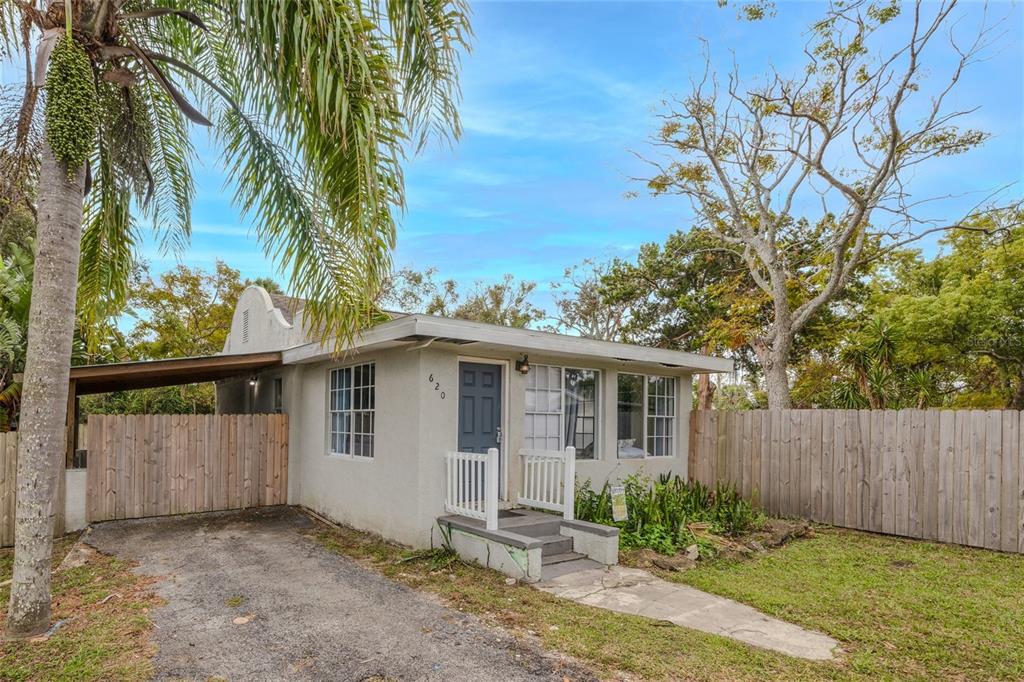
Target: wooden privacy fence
9	487
951	476
153	465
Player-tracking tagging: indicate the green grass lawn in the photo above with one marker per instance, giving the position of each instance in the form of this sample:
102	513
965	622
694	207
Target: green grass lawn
105	636
901	609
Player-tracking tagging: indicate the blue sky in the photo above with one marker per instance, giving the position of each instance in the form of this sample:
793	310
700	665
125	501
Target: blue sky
557	98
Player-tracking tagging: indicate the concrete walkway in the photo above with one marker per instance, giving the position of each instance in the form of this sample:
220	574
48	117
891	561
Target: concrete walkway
636	592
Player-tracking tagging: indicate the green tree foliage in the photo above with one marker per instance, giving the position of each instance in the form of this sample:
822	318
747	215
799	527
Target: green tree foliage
505	303
184	312
581	306
695	294
93	343
944	332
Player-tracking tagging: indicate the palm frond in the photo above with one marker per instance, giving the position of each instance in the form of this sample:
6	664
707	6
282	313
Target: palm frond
429	37
109	239
11	338
10	30
171	155
323	76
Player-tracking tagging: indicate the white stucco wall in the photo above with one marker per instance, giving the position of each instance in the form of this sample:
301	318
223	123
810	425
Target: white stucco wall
379	493
400	491
268	329
441	419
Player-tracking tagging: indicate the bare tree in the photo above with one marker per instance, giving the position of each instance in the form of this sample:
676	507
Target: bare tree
807	177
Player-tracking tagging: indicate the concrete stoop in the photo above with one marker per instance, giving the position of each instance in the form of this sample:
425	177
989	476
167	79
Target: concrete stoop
532	546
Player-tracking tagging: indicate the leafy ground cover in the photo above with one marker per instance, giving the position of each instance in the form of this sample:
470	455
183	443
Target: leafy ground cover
105	634
670	514
902	609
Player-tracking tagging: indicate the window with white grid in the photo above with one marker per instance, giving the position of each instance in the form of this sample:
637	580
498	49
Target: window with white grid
351	411
561	410
646	416
543	425
661	415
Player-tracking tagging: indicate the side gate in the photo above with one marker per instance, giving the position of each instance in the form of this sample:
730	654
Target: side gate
155	465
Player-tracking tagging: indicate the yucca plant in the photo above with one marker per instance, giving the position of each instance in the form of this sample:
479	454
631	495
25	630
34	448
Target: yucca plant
312	102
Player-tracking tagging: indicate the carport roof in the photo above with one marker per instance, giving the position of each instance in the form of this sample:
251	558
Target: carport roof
125	376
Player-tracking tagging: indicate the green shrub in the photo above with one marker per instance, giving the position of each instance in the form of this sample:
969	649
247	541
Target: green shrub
661	511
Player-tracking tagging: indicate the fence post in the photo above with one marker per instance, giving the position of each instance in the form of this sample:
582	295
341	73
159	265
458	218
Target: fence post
491	489
569	484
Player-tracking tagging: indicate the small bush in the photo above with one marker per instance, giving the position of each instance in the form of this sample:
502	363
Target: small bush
660	512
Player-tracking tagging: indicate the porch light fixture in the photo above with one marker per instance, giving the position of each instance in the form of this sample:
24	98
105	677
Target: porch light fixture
252	381
523	366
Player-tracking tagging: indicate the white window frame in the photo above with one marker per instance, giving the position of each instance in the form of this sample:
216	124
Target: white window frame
646	415
561	413
352	411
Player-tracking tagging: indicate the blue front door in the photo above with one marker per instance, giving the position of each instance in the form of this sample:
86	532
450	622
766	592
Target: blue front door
479	407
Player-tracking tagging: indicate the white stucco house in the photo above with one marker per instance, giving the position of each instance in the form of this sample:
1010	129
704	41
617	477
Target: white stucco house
428	429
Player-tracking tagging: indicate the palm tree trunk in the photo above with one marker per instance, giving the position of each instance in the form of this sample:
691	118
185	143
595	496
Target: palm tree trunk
45	393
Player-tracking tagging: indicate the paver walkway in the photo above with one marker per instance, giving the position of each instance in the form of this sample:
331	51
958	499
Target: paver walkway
636	592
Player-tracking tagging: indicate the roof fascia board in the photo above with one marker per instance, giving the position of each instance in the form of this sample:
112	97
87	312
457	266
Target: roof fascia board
520	339
382	333
528	339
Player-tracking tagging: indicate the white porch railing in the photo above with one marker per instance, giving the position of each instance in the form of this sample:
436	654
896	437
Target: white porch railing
549	480
472	485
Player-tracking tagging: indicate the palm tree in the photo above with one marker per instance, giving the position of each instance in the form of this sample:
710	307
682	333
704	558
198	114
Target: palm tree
312	102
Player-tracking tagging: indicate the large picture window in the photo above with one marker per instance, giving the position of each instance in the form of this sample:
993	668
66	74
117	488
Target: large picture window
351	411
561	410
646	416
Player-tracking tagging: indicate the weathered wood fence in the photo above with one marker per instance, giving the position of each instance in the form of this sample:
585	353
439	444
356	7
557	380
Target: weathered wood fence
951	476
154	465
9	488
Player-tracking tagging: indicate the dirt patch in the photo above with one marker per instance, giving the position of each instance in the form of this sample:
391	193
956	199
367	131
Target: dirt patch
101	619
774	533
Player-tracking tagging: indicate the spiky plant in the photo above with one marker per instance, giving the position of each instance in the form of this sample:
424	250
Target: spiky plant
312	103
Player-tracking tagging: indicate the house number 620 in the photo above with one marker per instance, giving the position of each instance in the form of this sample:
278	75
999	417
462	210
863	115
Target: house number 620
437	385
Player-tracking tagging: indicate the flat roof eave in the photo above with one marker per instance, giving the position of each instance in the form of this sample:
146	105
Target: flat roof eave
126	376
520	340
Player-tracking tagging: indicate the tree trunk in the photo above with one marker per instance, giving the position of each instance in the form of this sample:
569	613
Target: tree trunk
774	359
705	392
41	445
776	380
1017	401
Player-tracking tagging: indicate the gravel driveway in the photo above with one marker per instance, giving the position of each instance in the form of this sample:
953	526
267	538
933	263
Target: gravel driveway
311	613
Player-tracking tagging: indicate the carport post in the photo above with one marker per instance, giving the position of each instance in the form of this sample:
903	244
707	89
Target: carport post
72	426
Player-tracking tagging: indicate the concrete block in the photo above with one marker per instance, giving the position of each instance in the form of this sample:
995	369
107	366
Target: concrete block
516	562
601	547
74	500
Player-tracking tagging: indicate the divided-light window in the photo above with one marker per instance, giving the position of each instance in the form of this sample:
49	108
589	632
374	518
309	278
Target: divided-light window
561	410
351	411
646	416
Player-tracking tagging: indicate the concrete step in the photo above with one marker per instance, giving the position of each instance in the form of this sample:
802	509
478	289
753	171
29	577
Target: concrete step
561	558
555	544
552	571
538	529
